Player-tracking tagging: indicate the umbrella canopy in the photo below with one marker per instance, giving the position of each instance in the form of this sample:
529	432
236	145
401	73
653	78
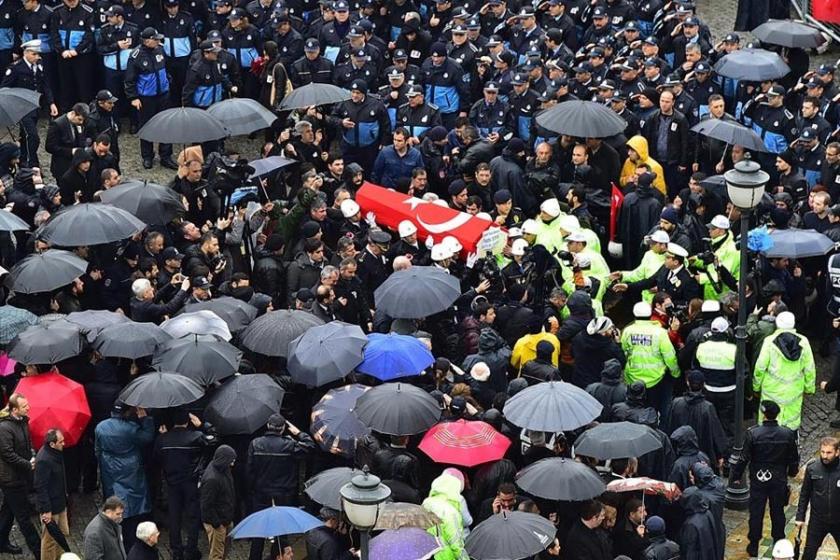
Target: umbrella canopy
90	223
204	361
584	119
753	65
325	487
93	321
647	485
16	103
46	343
197	323
464	443
241	115
326	353
798	243
334	425
271	333
614	440
417	292
161	390
273	522
55	402
552	406
394	515
391	356
242	405
269	164
182	125
787	33
731	132
45	272
10	222
13	321
558	478
130	340
236	313
7	365
151	203
398	409
314	94
408	543
511	535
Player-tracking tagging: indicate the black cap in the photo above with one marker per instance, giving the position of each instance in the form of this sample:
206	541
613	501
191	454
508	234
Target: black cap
106	95
770	408
276	420
305	295
115	10
151	33
208	46
171	253
359	85
356	31
214	35
200	282
414	90
238	13
502	196
379	237
400	54
311	45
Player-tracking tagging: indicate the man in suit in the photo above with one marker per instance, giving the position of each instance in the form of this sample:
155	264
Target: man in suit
673	277
65	136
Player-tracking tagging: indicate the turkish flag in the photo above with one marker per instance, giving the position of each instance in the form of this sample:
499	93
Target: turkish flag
392	207
616	200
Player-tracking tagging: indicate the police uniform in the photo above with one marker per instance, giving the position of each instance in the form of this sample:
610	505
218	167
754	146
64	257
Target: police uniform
445	88
289	46
8	11
100	121
22	75
775	125
701	91
373	270
205	83
178	42
392	104
345	74
522	108
304	71
71	29
115	59
143	16
361	143
245	45
417	120
492	118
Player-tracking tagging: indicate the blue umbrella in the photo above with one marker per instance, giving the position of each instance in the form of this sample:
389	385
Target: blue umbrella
275	521
391	356
406	543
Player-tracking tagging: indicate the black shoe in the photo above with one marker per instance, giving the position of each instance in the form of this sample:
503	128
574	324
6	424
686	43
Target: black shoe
11	549
168	163
148	163
835	424
132	128
752	551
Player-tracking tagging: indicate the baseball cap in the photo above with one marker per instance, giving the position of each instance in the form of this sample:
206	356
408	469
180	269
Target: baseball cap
631	26
582	67
459	29
311	45
151	33
814	83
214	35
414	90
660	236
702	68
341	6
208	46
359	53
399	54
599	13
473	23
651	40
808	134
502	196
359	85
606	84
720	222
171	253
305	295
596	53
115	10
238	13
526	12
106	95
776	90
200	282
732	38
519	79
720	325
691	21
824	70
491	86
356	31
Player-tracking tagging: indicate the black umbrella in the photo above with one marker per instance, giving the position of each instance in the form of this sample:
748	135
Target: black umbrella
326	353
271	334
398	409
93	321
204	361
716	184
267	165
324	488
584	119
798	244
754	65
91	223
45	272
787	33
242	405
130	340
558	478
417	292
730	132
552	406
236	313
161	390
314	94
46	343
16	103
615	440
154	204
10	222
201	323
182	125
241	115
334	425
510	535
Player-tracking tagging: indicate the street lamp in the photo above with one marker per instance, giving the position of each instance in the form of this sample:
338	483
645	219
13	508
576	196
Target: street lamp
745	186
361	500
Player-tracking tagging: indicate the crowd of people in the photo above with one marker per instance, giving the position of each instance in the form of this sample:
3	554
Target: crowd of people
636	303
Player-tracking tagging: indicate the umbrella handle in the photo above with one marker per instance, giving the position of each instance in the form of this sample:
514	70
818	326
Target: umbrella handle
723	156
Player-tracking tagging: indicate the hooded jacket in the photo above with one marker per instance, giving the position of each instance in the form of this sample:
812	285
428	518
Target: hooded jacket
494	351
445	501
579	305
119	447
688	453
785	372
692	409
699	540
591	352
610	390
218	496
525	349
639	144
707	483
508	172
635	409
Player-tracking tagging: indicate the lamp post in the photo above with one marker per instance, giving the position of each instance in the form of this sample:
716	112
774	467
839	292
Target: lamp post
745	187
361	499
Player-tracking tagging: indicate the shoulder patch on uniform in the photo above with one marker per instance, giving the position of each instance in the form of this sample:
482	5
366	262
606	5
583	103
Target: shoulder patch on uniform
788	114
86	8
433	106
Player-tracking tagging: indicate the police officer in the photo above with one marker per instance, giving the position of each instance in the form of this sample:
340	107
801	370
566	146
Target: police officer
523	104
227	60
417	116
115	42
243	40
206	84
71	37
356	37
359	68
775	124
103	120
7	32
411	71
809	156
373	266
364	125
491	116
28	73
715	357
773	456
147	86
445	85
393	94
722	242
33	22
701	87
821	490
143	14
462	51
311	68
289	40
178	28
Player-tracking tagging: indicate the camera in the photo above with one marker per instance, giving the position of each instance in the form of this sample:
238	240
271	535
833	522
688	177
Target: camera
566	256
490	271
226	174
678	312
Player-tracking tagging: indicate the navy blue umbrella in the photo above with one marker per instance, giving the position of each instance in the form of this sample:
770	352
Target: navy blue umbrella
552	406
273	522
398	409
334	425
417	292
391	356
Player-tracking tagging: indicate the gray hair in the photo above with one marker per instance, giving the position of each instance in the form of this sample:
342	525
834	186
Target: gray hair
139	287
328	271
145	531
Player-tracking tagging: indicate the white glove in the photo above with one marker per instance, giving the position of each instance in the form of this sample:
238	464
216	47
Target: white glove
616	250
430	242
370	218
471	259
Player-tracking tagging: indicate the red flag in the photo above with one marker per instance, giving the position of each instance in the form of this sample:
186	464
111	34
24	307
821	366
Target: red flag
392	207
616	200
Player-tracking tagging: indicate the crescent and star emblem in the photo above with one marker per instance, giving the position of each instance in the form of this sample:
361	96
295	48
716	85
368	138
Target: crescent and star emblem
460	219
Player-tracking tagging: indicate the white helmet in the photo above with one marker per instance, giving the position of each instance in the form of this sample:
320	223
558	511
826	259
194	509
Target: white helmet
441	252
406	228
518	248
453	244
350	208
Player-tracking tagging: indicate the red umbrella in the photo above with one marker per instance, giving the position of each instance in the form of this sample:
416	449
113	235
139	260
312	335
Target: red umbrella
464	443
55	402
